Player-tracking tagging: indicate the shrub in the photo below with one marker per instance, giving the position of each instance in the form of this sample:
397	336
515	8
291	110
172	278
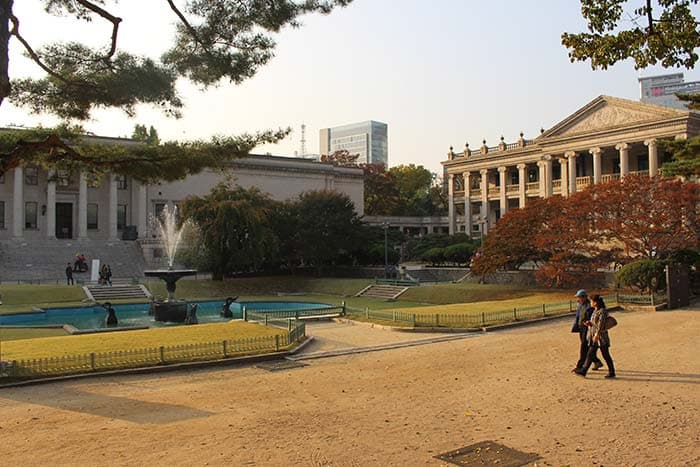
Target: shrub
645	275
434	255
459	253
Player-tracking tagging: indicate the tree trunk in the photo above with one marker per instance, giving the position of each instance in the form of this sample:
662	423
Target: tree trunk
5	11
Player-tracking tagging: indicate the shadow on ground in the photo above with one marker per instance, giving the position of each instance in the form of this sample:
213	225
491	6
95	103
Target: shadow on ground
102	405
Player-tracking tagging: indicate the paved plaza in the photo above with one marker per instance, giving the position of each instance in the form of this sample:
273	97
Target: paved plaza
392	407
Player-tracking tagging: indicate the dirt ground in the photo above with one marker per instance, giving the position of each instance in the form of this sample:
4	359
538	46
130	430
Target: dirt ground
393	407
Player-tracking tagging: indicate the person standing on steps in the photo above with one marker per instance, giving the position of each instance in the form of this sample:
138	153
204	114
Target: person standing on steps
584	311
598	338
69	275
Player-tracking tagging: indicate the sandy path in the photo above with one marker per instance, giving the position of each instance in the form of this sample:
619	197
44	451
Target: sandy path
396	407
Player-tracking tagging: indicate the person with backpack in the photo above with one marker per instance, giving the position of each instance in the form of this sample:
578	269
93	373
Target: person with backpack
598	337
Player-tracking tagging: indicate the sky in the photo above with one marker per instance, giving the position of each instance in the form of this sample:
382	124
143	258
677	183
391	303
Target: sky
440	73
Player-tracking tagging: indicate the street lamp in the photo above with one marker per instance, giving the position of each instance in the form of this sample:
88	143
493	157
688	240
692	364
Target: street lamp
385	226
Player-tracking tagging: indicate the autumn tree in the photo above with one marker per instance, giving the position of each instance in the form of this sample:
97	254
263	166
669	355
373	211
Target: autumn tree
226	40
340	157
512	241
661	32
650	217
381	192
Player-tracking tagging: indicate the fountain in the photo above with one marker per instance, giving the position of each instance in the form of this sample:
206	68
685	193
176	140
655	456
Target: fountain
170	309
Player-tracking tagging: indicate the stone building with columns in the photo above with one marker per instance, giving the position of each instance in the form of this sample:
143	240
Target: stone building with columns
605	140
40	205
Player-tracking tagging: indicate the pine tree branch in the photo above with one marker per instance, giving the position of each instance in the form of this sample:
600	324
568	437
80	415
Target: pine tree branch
109	17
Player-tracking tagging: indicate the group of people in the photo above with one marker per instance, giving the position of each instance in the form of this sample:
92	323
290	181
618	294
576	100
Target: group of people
79	265
591	326
105	275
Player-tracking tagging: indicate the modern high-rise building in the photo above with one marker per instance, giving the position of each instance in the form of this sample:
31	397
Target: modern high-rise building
662	89
367	139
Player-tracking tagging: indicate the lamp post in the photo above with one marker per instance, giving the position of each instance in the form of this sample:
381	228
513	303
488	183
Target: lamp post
385	226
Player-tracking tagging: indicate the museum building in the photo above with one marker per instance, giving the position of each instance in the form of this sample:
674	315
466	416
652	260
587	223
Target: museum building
605	140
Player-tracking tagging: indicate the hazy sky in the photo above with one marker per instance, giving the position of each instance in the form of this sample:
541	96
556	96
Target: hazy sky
439	73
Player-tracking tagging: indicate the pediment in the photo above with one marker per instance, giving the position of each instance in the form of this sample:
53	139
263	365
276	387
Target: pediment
605	113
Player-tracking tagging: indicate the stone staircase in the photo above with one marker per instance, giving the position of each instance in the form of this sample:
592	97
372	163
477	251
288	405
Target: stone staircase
44	261
386	292
437	274
105	293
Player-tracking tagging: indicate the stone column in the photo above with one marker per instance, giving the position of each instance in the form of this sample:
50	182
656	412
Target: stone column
521	185
542	177
653	157
51	205
624	149
503	194
548	189
484	196
467	204
142	209
597	165
564	171
82	207
112	208
571	156
18	204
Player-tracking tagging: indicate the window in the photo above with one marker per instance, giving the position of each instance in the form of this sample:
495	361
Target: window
121	182
121	216
31	176
30	215
159	207
2	214
92	216
514	177
62	177
532	176
642	162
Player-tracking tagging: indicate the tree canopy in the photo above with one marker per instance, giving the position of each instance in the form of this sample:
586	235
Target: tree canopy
649	32
213	42
614	222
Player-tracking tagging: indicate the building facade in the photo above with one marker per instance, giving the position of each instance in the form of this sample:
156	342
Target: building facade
37	204
662	89
605	140
368	139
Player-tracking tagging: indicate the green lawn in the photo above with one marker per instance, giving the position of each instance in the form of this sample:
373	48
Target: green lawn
48	347
17	298
267	286
8	334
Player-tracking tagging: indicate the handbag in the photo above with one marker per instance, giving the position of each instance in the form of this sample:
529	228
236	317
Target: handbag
610	323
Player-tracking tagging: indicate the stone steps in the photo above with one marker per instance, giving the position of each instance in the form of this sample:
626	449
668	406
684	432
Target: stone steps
386	292
46	260
101	293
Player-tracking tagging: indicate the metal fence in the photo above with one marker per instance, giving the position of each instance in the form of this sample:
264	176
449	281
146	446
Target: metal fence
475	319
164	355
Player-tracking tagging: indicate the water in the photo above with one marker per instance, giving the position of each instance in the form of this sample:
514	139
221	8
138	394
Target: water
170	235
136	314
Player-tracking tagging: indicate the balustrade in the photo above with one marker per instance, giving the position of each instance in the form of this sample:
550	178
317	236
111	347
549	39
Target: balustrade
610	177
583	181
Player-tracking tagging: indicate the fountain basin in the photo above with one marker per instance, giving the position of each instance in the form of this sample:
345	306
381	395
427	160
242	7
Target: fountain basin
170	310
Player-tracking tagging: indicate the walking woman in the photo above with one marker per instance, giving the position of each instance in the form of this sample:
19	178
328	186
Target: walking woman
598	337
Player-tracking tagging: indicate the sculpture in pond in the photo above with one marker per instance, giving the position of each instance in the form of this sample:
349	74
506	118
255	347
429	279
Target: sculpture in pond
226	307
191	317
111	319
